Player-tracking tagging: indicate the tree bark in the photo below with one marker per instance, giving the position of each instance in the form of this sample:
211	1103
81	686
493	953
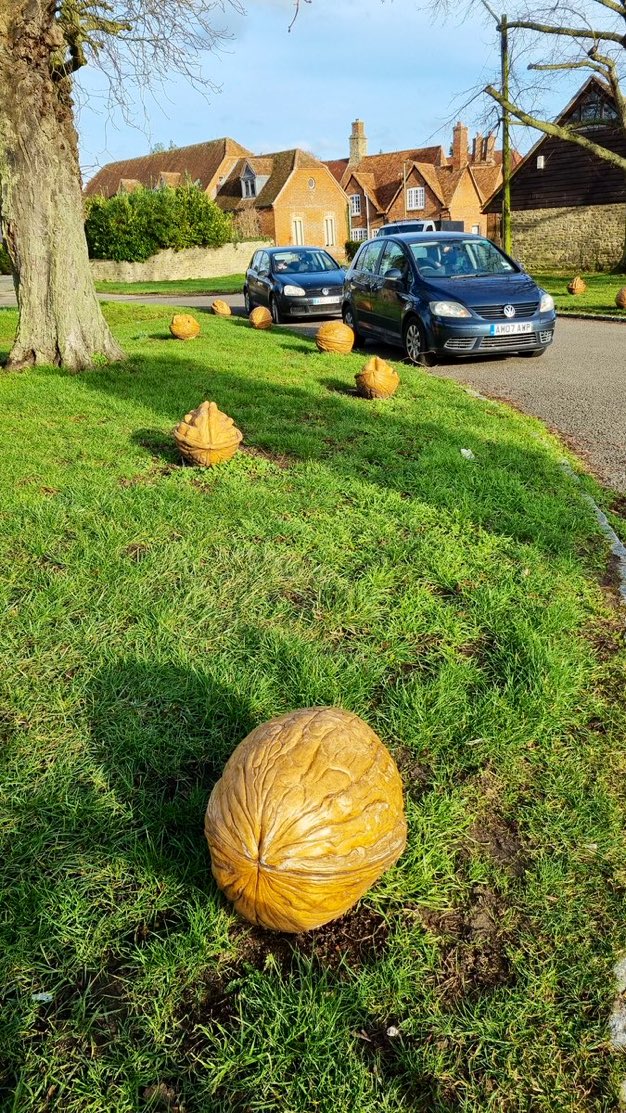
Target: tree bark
60	320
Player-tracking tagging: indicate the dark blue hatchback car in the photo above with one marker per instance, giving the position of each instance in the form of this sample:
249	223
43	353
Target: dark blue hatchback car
445	293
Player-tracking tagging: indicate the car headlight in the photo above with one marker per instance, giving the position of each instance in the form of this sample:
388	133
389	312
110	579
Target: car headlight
294	291
547	303
448	309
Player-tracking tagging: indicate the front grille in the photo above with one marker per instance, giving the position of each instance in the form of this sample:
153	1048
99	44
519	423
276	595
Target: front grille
461	344
495	343
523	309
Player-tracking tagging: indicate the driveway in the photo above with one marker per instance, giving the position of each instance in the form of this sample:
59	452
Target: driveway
578	388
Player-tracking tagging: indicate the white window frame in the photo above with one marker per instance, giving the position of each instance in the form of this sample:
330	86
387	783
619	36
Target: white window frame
297	228
358	234
416	199
330	230
355	204
248	187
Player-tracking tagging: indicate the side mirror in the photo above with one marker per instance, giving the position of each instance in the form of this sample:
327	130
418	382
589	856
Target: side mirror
394	275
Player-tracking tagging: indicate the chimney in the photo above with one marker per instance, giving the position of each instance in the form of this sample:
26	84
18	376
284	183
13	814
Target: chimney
460	152
489	148
358	142
477	148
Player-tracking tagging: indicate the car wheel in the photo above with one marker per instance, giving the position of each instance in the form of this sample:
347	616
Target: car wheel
415	344
347	315
247	302
275	311
534	354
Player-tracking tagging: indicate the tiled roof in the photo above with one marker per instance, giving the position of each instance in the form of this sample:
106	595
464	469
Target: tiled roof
199	162
279	166
487	179
448	181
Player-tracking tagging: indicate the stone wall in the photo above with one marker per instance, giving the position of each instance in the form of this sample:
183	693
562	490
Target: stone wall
585	238
193	262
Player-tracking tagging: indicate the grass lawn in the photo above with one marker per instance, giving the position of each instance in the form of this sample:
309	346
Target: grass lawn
599	296
226	284
154	614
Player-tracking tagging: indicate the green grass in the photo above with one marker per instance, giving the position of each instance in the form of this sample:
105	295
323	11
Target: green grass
226	284
599	296
153	614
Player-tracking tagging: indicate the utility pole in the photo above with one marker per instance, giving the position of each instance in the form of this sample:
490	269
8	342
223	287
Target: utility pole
506	138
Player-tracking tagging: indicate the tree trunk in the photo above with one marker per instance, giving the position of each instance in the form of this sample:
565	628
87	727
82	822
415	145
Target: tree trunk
60	321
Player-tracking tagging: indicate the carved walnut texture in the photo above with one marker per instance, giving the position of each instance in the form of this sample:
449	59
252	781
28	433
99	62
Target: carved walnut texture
306	817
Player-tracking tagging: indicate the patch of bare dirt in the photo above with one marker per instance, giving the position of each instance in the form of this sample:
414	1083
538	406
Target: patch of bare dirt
137	551
163	1097
356	939
279	458
499	839
473	946
416	775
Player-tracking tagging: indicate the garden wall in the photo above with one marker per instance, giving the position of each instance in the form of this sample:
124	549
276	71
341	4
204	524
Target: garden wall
586	238
193	262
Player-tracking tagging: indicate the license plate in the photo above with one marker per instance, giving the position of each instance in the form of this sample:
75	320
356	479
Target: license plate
324	301
511	328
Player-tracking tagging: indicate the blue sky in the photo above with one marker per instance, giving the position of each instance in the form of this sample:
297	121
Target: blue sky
389	62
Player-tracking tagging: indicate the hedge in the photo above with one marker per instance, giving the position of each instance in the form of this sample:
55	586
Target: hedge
132	226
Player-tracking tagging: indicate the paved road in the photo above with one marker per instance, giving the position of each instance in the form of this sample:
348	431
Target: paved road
577	388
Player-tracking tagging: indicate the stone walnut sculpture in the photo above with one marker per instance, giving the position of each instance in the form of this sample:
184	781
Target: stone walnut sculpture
260	317
377	379
221	308
577	285
306	816
334	336
620	298
207	436
184	327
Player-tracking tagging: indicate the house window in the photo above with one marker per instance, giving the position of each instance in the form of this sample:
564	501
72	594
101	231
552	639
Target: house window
355	204
476	229
541	162
415	198
297	228
358	234
248	187
329	231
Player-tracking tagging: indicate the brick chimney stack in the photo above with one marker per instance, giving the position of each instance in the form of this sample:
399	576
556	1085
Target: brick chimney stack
460	153
477	148
358	142
489	147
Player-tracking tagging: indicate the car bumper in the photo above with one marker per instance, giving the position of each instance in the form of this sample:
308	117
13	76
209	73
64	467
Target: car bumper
471	337
311	307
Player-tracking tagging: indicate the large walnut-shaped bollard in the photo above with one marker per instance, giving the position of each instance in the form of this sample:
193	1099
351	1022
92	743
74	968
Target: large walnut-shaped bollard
207	436
260	317
334	336
307	815
377	379
577	285
184	327
620	298
221	308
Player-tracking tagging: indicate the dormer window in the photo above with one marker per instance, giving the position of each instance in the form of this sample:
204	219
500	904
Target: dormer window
248	187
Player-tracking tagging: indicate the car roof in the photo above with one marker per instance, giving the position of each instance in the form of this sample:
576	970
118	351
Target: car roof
438	237
295	247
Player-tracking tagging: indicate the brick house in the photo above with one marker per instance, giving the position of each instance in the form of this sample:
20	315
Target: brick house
288	197
291	195
421	182
568	207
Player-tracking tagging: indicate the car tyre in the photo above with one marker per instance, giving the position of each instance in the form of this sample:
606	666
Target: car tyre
275	311
247	302
415	344
347	316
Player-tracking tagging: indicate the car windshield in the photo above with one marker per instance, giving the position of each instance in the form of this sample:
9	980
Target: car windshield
308	261
470	258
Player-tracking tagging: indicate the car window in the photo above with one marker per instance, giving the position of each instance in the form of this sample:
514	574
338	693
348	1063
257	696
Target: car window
255	261
306	261
461	258
368	256
393	258
263	265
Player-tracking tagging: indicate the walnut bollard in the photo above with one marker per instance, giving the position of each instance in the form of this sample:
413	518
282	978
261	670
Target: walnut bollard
377	379
334	336
260	317
206	436
221	308
620	298
306	817
577	285
184	327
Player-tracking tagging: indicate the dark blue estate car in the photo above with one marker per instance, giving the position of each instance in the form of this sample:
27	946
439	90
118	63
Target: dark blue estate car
294	282
445	293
